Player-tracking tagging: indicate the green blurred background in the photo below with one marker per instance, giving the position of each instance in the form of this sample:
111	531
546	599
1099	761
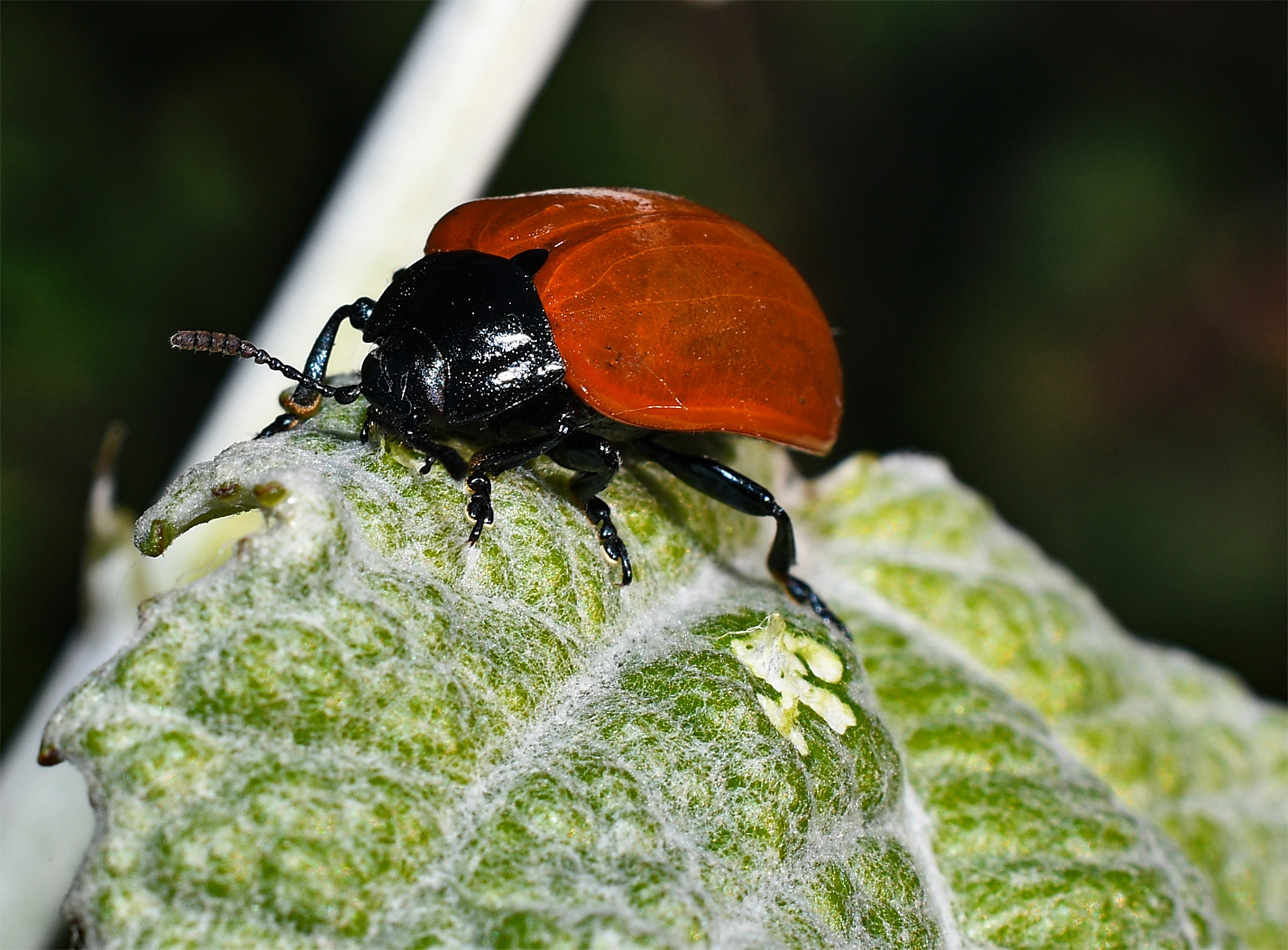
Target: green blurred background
1052	235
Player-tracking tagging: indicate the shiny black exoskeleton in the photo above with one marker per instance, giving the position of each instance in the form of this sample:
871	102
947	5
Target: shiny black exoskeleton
462	345
460	336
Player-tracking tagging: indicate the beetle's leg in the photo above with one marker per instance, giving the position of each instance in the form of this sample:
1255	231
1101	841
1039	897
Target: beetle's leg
479	509
305	400
289	420
496	459
742	494
596	461
409	431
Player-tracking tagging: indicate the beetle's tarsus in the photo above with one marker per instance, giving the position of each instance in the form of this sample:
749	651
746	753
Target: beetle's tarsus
287	420
479	509
598	512
803	594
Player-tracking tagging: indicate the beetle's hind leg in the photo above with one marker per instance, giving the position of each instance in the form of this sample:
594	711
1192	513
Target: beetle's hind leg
742	494
782	555
409	431
596	461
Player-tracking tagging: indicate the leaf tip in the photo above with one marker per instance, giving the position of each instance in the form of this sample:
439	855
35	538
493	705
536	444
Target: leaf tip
153	538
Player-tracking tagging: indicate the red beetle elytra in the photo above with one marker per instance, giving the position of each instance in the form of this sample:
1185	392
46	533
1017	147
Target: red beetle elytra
579	325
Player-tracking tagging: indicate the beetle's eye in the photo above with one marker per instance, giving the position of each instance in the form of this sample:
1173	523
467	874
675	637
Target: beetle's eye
398	275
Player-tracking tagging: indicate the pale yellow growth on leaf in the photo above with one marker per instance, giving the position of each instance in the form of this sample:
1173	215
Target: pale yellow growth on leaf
785	661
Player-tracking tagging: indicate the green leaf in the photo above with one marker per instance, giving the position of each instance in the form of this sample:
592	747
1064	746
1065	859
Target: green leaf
360	731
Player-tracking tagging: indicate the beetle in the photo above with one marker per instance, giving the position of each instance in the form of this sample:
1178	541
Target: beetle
577	325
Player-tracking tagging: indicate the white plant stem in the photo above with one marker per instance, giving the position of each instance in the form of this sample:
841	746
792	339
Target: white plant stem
463	87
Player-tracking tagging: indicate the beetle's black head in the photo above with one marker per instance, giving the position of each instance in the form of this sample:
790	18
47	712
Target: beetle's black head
460	337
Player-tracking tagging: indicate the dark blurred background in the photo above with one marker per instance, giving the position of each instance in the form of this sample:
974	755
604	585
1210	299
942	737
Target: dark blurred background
1053	236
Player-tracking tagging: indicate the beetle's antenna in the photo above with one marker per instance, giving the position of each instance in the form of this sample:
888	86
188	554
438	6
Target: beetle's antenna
225	344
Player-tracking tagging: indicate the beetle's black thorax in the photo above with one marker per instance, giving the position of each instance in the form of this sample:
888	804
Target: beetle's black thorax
460	337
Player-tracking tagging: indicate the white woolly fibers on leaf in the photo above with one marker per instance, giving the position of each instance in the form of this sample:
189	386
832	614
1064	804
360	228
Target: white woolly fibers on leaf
360	732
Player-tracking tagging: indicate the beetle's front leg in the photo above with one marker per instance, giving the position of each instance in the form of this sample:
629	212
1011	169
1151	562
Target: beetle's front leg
287	420
496	459
304	401
409	431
